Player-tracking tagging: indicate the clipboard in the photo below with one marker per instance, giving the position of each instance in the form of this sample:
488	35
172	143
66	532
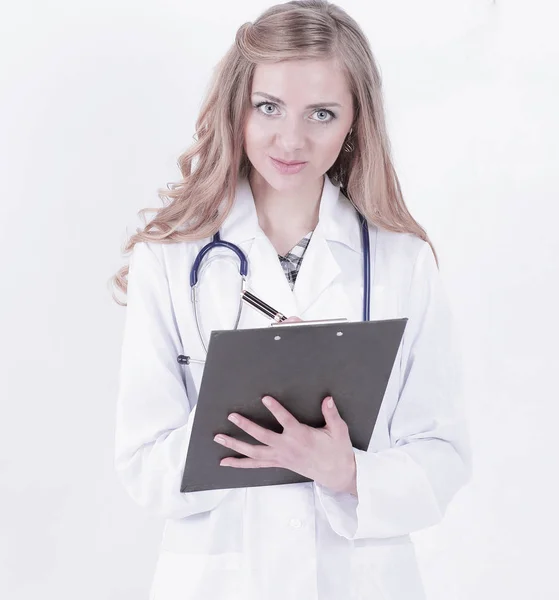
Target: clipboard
298	366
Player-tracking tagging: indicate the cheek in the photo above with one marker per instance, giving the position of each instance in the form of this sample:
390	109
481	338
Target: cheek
335	143
331	147
255	134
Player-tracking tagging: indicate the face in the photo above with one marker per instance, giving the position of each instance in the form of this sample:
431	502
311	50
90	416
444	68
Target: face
300	111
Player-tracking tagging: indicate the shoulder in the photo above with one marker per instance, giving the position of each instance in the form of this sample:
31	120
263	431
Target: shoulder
399	245
165	256
398	255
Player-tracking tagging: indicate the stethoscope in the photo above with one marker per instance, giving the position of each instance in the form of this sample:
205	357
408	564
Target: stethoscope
217	242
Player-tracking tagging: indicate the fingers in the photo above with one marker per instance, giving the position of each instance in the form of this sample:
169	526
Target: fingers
255	451
293	320
261	453
258	433
283	416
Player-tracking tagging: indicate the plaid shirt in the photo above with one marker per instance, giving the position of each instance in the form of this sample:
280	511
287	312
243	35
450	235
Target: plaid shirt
291	262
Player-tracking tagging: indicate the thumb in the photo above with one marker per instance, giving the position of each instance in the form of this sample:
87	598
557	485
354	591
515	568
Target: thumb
331	415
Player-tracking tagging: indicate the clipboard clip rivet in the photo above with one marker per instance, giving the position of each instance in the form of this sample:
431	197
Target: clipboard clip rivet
277	337
340	333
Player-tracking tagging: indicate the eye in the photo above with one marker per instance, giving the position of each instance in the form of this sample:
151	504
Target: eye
320	110
326	112
265	104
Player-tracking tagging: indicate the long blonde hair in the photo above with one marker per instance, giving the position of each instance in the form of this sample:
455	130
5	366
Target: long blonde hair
301	29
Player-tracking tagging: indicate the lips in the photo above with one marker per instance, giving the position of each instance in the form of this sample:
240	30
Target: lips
288	169
293	162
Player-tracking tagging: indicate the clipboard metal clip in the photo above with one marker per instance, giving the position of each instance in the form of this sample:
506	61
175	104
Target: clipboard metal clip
315	322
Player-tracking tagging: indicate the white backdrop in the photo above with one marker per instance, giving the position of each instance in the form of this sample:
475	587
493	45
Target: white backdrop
98	99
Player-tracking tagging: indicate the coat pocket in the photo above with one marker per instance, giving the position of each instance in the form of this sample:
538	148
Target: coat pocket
186	576
385	570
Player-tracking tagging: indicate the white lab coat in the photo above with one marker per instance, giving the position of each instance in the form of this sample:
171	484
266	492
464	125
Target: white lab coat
294	541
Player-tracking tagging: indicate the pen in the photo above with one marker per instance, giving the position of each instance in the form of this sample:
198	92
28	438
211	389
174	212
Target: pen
262	307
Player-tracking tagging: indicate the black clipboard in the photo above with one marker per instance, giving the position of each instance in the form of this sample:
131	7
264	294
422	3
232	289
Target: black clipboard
299	366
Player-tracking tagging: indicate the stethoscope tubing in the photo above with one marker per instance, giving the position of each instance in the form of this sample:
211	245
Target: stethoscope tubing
217	242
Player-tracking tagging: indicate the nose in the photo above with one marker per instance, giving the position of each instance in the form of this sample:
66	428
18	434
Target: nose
291	136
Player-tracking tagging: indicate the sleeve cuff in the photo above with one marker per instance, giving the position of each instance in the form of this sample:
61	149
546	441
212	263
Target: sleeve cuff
341	507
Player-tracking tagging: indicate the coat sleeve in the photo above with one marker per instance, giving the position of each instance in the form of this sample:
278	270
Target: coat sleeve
408	486
153	416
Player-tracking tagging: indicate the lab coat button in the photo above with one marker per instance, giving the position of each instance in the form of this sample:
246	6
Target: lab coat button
296	523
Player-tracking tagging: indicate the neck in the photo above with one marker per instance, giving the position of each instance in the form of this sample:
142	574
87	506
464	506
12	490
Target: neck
294	211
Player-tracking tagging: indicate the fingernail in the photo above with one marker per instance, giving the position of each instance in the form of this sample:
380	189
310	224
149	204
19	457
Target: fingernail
266	401
233	419
219	439
330	403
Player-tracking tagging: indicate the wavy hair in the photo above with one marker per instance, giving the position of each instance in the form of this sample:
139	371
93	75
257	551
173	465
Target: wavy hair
195	207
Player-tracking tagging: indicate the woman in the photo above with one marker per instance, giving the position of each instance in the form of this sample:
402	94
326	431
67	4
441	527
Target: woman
300	84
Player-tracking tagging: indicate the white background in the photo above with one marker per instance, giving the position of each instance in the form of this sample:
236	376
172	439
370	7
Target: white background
98	99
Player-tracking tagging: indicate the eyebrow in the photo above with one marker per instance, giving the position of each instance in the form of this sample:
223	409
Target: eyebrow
282	103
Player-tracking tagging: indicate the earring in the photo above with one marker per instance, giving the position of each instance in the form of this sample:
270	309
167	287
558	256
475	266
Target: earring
348	146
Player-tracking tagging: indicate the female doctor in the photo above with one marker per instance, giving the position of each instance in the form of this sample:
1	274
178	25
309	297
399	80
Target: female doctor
298	85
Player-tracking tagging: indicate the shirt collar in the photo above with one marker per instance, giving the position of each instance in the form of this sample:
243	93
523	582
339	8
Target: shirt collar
338	220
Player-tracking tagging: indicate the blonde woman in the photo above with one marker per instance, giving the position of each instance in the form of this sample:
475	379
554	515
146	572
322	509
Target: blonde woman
299	85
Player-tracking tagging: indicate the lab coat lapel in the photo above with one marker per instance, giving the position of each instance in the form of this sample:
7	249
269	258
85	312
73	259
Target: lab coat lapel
318	290
318	270
267	280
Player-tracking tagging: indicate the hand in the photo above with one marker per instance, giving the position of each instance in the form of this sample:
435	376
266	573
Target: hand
293	320
324	454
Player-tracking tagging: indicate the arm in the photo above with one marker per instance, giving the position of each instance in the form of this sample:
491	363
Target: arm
153	417
408	486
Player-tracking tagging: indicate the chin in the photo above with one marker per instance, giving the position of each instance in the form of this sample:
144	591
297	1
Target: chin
280	181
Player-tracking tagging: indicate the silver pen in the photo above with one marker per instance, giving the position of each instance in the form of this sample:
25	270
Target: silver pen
278	317
262	307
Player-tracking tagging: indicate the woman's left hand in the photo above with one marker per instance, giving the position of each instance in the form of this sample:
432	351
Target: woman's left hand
324	454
